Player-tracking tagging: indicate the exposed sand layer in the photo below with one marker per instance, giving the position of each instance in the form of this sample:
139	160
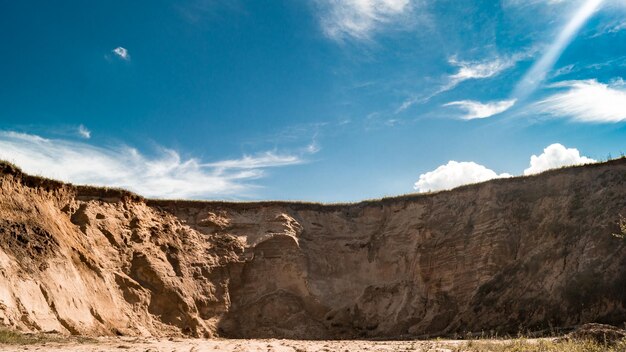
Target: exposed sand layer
223	345
509	255
587	338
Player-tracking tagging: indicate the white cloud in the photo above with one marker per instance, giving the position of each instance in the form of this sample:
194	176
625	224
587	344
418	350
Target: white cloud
455	174
267	159
165	175
471	70
486	68
122	53
531	2
313	148
84	132
565	70
478	110
587	101
538	72
612	28
359	18
555	156
479	70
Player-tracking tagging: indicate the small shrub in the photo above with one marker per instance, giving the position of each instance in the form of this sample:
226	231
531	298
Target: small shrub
523	345
9	337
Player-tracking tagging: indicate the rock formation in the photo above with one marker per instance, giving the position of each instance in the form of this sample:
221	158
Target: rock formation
509	255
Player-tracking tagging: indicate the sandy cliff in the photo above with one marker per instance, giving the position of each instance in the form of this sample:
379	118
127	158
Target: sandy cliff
524	253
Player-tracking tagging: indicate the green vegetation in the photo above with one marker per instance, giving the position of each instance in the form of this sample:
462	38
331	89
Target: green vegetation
523	345
9	337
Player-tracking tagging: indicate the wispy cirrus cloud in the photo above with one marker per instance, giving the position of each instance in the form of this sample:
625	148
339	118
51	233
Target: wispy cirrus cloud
538	72
84	132
470	70
587	101
531	2
479	69
358	19
611	28
565	70
163	175
264	160
478	110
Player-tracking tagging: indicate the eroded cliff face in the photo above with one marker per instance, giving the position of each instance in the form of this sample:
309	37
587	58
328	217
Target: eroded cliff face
526	253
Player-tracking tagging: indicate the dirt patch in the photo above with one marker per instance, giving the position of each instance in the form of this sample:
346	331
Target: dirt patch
32	244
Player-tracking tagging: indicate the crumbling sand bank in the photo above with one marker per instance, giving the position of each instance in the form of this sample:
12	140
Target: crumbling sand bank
509	255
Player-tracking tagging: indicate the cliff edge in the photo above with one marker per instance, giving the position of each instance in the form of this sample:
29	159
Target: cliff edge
526	253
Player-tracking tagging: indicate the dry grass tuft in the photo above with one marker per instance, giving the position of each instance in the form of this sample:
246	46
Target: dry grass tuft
524	345
16	338
9	337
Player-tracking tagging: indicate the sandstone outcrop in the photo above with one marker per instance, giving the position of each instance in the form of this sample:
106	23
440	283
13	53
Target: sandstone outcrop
509	255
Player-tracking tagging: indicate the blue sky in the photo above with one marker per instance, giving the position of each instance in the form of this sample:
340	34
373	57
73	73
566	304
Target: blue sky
320	100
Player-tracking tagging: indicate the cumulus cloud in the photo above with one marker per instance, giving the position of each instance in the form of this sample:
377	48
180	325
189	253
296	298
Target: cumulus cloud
587	101
455	174
555	156
122	53
478	110
164	175
84	132
357	19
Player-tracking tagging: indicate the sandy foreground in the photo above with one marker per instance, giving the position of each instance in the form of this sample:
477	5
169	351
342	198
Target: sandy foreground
274	345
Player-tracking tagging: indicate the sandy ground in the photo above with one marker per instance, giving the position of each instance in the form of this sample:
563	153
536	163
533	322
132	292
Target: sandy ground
197	345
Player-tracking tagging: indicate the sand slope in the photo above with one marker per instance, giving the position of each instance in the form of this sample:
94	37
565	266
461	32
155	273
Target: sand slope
507	255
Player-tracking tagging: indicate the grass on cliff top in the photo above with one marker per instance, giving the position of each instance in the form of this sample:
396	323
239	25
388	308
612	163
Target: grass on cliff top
7	167
51	184
523	345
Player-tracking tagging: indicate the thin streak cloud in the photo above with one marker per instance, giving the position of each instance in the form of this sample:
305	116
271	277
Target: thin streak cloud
540	69
478	110
470	70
